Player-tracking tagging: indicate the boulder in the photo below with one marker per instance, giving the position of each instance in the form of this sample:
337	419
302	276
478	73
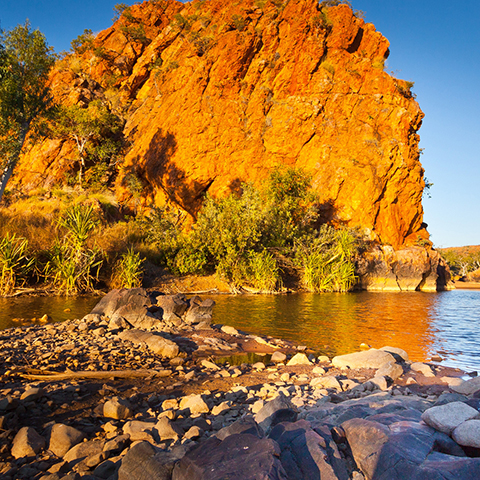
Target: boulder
275	411
468	434
167	430
392	370
307	455
372	358
199	311
423	368
329	381
238	457
136	315
115	299
245	424
84	450
31	394
467	388
172	306
139	431
155	342
446	418
27	443
63	438
395	351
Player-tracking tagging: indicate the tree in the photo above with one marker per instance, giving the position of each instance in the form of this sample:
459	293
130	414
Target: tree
88	127
25	62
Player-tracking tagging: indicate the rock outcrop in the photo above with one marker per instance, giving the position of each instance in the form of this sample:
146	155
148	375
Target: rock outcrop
220	92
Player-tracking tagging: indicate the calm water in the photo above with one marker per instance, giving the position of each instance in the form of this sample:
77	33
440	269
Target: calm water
446	323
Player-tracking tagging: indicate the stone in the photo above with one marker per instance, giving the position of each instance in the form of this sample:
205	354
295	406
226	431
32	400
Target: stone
372	358
391	370
32	394
396	351
84	450
115	299
380	382
194	433
468	434
329	381
63	438
136	315
117	408
299	359
139	430
209	365
199	311
116	444
318	370
423	368
141	463
445	418
27	443
168	430
307	455
229	330
238	457
274	411
278	357
245	424
194	403
172	306
159	345
222	407
468	387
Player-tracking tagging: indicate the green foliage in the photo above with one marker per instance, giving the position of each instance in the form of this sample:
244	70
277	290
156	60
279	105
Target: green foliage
83	42
128	271
14	263
135	33
72	266
326	260
92	129
263	272
461	260
25	62
120	9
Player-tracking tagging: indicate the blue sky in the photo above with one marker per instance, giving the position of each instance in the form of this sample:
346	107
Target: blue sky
435	43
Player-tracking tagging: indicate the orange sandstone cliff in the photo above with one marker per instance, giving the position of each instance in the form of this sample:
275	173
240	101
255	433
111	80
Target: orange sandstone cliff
218	92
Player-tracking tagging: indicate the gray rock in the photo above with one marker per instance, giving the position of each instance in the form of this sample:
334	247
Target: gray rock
172	306
140	463
159	345
445	418
329	381
136	315
392	370
116	444
468	434
140	431
199	311
372	358
63	438
117	408
245	424
84	450
229	330
268	415
238	457
396	351
115	299
307	455
27	443
467	388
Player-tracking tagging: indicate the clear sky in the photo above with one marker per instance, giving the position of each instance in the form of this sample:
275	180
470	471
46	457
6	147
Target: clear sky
435	43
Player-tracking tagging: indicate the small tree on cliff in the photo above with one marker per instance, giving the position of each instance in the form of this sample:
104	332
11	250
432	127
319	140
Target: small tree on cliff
87	127
25	61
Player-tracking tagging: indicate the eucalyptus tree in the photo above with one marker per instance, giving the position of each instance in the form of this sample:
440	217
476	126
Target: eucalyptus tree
25	62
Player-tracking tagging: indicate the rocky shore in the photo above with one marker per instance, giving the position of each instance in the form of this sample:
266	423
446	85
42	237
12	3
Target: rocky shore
146	387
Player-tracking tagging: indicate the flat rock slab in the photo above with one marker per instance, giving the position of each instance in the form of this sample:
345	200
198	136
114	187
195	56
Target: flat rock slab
372	358
238	457
156	343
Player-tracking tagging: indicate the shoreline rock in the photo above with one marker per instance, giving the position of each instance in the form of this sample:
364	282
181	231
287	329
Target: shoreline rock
300	419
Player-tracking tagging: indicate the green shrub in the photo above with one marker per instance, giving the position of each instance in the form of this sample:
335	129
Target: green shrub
263	272
14	263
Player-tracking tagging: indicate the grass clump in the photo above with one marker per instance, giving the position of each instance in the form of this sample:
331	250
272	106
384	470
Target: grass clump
15	265
128	271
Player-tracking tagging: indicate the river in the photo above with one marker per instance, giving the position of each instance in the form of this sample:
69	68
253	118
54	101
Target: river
445	323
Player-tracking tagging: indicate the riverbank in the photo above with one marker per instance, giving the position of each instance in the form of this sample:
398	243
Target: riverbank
100	398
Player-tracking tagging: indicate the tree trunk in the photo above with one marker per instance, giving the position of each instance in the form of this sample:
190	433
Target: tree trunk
7	173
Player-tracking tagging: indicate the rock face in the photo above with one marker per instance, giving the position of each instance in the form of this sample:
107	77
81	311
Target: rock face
219	92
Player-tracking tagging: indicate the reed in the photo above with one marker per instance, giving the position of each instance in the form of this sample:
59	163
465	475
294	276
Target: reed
263	271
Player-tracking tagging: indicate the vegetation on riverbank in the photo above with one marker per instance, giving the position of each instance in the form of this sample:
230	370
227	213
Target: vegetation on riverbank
463	261
76	240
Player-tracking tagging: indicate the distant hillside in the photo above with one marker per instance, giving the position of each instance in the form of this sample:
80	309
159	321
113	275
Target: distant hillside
462	260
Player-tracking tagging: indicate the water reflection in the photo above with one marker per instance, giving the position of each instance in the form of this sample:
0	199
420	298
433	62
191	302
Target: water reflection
19	311
421	323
